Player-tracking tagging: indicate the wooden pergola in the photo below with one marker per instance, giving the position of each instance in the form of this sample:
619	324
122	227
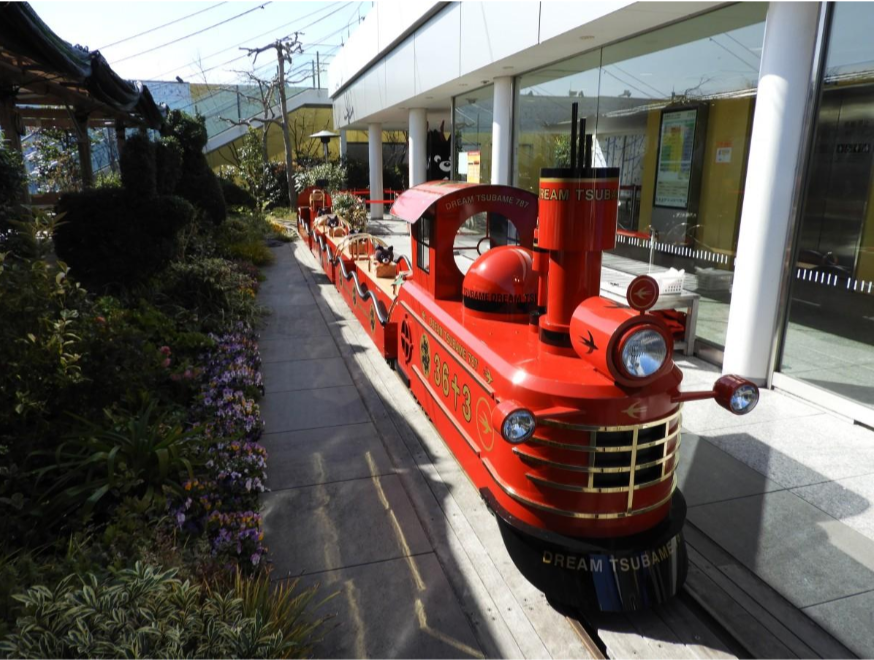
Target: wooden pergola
47	82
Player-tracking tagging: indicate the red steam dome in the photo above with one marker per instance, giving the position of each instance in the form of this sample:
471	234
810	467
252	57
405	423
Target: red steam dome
503	283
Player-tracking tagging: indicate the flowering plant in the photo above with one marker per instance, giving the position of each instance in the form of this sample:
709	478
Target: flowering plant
222	498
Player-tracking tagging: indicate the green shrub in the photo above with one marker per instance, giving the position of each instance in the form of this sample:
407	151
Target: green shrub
107	179
333	173
254	252
197	183
138	171
146	612
275	185
108	242
143	455
41	353
211	289
236	196
168	163
12	181
352	209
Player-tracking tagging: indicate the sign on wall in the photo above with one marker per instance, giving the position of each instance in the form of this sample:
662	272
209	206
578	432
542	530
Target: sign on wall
473	161
674	172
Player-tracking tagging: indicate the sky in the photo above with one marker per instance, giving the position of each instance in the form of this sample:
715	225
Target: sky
205	56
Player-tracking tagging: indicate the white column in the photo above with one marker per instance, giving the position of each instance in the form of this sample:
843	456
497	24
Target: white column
418	154
343	143
502	130
774	162
374	145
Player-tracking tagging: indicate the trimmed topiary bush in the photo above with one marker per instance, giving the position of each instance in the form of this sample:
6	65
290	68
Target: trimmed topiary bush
198	183
138	171
168	162
236	195
110	242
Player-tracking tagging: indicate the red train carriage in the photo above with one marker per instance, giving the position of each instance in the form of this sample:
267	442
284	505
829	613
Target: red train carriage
309	203
561	406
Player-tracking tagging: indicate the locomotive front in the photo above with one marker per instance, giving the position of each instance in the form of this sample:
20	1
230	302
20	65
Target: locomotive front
562	406
586	491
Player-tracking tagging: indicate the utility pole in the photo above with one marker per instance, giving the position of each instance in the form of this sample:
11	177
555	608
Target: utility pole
285	49
280	56
318	71
314	73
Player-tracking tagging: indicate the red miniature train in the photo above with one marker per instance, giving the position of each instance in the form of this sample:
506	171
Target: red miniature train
562	407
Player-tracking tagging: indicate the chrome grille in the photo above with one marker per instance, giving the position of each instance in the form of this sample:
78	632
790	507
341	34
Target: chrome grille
615	459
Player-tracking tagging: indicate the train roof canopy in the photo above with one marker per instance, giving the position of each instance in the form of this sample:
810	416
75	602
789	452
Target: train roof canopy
413	203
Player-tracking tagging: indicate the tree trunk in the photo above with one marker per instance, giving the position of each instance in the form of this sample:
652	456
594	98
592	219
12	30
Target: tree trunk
285	136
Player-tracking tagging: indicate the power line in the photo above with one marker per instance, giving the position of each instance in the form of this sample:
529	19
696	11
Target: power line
249	39
222	90
178	20
240	57
188	36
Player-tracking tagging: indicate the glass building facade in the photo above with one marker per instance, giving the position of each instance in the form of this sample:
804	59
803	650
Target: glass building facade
472	120
829	334
672	109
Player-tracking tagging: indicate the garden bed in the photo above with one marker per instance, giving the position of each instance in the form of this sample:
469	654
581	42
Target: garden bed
130	426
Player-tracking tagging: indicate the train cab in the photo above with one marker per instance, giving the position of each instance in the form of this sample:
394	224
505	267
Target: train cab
563	407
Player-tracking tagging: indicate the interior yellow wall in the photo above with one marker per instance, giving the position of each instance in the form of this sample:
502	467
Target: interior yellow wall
865	265
722	183
309	120
650	161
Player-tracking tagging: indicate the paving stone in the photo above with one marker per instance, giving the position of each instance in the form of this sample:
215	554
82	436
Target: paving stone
317	456
849	619
341	524
848	500
707	474
800	452
305	322
310	409
313	346
852	381
305	374
806	555
421	618
286	300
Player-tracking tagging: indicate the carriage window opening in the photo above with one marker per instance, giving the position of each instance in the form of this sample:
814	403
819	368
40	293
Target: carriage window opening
479	233
423	241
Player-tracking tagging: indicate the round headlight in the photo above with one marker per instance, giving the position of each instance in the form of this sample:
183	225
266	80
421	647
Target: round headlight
643	353
744	399
518	426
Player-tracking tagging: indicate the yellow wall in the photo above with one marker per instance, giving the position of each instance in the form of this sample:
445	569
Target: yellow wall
302	122
865	265
722	183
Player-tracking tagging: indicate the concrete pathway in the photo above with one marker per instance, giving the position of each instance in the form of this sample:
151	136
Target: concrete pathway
787	492
367	500
353	508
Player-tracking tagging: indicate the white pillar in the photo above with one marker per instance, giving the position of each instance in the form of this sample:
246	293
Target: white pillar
502	130
418	154
775	151
374	147
344	143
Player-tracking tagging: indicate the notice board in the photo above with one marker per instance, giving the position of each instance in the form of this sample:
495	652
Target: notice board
676	148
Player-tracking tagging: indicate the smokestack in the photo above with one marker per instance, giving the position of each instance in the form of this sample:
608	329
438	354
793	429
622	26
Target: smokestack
578	211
